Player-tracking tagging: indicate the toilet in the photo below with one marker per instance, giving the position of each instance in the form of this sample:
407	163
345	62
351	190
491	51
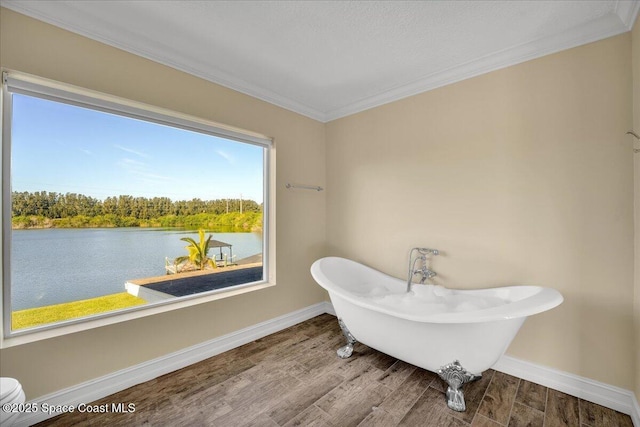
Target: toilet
10	393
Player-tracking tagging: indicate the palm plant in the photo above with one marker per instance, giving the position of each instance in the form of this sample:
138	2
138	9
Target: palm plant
197	252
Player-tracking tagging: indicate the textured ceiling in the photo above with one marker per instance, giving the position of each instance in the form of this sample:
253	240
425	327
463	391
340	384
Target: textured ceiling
328	59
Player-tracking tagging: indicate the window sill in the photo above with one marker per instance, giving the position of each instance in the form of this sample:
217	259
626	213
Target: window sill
72	326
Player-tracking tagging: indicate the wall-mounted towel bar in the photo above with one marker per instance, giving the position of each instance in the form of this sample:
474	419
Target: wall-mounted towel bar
304	187
635	135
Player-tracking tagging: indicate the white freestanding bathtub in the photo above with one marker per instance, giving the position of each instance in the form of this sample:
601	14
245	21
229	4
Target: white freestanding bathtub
457	333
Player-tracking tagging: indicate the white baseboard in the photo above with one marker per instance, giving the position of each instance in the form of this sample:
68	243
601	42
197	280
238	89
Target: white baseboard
120	380
606	395
603	394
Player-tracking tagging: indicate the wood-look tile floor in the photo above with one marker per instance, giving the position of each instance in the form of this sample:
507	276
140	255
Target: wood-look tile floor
294	378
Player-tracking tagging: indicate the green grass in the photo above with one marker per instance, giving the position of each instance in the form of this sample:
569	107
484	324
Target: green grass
72	310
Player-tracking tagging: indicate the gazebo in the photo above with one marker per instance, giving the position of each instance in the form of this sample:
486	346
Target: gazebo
213	244
221	259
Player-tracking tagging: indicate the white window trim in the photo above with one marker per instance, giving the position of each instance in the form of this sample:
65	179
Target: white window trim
18	82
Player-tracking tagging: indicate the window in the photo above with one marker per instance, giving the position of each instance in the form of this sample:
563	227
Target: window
111	206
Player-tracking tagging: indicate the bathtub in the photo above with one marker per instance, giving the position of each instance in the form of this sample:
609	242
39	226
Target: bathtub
457	333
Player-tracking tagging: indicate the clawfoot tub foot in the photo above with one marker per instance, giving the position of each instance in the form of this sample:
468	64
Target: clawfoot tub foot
346	351
456	376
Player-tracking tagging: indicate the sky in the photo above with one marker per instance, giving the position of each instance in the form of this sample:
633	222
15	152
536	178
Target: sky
62	148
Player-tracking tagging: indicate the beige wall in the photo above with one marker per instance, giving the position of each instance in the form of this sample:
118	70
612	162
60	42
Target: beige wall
33	47
520	176
636	126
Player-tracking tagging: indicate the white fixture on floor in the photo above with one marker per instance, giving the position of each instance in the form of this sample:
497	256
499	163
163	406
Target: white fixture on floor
11	395
457	333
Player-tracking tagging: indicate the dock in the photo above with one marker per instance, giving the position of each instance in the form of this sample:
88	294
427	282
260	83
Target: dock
159	288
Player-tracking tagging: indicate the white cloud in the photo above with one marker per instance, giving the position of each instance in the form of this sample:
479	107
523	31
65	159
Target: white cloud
228	157
142	172
129	150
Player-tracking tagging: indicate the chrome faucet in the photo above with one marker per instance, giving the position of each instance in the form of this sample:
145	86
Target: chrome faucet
425	272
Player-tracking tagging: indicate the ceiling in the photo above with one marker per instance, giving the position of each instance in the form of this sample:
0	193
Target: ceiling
329	59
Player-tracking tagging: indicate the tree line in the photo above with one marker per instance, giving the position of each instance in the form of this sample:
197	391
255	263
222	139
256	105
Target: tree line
44	209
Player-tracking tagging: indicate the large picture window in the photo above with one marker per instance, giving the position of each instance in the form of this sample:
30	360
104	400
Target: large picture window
109	206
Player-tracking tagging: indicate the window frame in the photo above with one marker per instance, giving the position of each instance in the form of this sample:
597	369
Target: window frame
26	84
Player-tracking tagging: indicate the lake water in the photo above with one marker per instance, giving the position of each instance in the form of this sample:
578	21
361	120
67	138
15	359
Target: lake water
53	266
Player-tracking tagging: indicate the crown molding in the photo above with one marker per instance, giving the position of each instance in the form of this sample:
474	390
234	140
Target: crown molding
619	21
158	52
607	26
627	11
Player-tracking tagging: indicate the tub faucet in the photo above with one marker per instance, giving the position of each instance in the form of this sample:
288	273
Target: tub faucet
425	272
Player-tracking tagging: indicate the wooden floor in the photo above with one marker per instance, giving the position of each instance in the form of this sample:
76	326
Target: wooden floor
294	378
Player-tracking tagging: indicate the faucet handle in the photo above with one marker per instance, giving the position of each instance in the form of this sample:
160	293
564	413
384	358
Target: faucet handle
427	251
426	273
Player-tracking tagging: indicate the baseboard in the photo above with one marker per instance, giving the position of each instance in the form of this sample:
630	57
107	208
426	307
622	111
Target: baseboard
603	394
120	380
606	395
329	308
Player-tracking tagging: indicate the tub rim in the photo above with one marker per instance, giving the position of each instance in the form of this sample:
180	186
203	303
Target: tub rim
544	299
